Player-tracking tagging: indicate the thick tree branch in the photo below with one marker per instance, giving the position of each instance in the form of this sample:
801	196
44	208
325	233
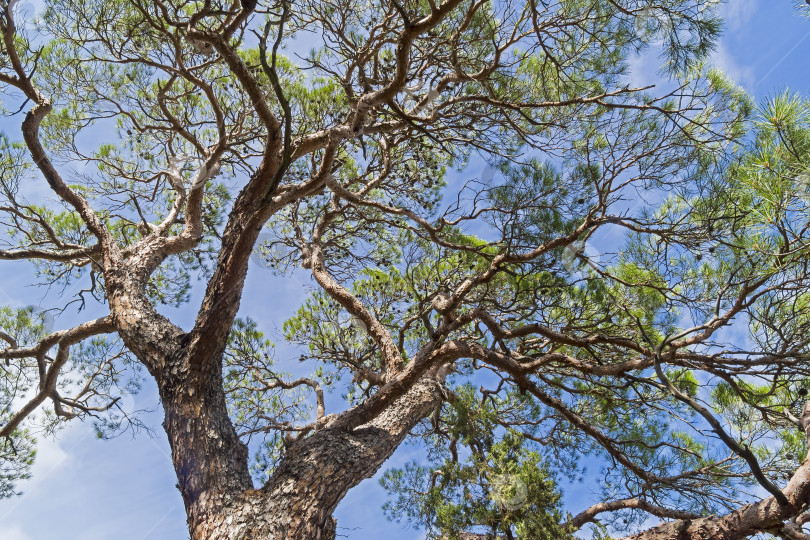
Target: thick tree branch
62	339
591	514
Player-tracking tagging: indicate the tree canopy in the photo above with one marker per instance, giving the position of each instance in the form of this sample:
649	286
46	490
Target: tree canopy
532	269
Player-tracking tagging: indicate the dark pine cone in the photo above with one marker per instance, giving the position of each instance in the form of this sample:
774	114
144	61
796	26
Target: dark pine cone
249	5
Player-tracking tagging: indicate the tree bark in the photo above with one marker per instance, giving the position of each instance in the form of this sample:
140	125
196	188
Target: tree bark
766	515
763	516
314	475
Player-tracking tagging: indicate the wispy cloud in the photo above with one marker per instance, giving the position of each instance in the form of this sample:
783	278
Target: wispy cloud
737	13
724	59
13	533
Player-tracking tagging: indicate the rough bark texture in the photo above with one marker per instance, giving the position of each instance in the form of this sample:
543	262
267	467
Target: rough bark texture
300	497
766	515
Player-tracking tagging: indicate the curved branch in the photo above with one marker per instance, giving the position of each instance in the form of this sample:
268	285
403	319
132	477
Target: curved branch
742	451
590	515
765	515
353	305
30	131
47	384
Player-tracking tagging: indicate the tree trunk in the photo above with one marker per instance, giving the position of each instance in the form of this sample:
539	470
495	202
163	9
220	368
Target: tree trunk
210	461
313	477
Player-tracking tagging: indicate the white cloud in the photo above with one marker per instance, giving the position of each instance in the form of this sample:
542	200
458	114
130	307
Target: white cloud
50	455
644	69
724	59
13	533
736	13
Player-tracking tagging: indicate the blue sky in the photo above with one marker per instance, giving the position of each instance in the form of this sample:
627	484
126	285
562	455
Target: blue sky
87	489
